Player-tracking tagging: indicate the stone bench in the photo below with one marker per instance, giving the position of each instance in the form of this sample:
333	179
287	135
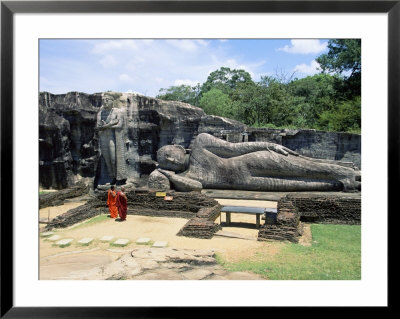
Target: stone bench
258	211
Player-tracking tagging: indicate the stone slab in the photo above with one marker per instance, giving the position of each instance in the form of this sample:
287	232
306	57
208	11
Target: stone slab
142	240
64	242
106	238
121	242
268	196
47	234
160	244
197	274
54	237
85	241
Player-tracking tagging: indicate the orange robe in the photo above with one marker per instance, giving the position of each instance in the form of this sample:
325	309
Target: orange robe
112	203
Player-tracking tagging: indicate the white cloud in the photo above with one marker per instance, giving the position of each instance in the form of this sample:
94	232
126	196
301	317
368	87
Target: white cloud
125	78
310	69
113	45
134	92
187	45
140	65
302	46
108	61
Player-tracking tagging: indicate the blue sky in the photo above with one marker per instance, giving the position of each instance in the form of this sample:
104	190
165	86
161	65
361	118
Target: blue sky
146	65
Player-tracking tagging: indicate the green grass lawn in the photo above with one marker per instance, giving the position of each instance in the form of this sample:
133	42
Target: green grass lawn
94	220
335	254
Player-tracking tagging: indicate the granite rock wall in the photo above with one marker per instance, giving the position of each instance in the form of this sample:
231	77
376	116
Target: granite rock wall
69	149
343	147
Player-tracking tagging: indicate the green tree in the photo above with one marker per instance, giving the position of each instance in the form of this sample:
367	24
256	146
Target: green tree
313	95
344	55
345	117
250	104
216	102
226	80
183	93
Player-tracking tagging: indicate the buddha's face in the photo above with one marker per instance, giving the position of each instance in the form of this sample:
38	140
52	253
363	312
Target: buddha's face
108	101
111	100
171	157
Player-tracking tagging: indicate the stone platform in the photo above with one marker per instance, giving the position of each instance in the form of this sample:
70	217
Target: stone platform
269	196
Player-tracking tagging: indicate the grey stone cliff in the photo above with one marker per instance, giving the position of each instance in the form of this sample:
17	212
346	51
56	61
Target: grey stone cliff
114	137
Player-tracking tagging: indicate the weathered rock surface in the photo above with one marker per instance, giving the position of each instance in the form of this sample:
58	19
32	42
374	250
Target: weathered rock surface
68	147
160	264
345	147
71	146
158	181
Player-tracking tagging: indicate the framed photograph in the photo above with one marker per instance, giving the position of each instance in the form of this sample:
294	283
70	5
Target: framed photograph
24	24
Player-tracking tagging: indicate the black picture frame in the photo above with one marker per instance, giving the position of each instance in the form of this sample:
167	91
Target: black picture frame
9	8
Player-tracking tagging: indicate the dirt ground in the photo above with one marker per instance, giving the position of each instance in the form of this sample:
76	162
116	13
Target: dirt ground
54	260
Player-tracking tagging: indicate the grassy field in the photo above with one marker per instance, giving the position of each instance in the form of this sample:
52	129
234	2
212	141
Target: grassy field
335	254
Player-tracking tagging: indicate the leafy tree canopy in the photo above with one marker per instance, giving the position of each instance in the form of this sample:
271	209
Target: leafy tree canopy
329	101
344	55
183	93
225	79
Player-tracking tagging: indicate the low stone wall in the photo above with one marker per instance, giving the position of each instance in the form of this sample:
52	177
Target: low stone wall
145	202
287	227
202	226
140	202
327	209
57	198
76	215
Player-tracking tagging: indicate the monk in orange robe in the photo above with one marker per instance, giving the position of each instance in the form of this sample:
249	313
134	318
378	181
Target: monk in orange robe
112	202
122	204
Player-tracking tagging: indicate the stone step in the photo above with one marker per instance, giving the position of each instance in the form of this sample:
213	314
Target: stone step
64	242
85	241
106	238
142	240
121	242
47	234
160	244
54	238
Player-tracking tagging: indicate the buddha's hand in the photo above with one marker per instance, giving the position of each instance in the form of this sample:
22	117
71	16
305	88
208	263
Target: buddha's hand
282	150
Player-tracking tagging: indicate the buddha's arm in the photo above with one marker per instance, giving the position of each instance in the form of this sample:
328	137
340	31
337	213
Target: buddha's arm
108	125
226	149
182	183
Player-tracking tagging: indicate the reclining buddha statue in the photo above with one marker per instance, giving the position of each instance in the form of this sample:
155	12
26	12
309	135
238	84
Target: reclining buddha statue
258	166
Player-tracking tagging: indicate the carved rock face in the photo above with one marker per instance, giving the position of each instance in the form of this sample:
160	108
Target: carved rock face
158	181
172	158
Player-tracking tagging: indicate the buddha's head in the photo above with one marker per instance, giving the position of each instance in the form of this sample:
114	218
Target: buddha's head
111	100
172	158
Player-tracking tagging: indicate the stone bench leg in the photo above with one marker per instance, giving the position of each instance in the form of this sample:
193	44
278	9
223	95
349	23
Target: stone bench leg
228	218
258	221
